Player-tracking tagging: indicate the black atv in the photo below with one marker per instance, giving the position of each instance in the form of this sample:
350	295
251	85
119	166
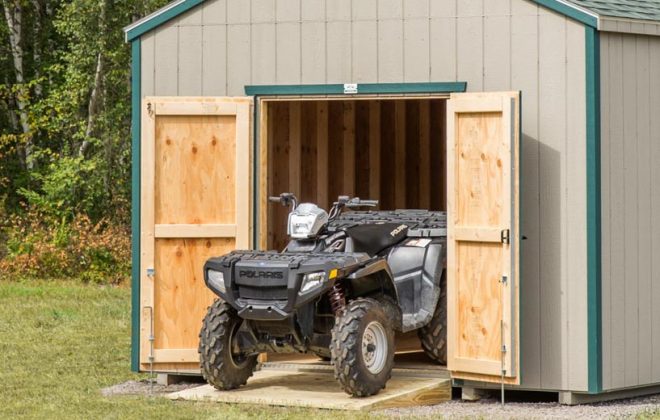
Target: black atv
342	287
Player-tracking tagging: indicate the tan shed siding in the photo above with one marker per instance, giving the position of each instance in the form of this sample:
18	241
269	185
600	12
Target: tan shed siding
493	45
630	85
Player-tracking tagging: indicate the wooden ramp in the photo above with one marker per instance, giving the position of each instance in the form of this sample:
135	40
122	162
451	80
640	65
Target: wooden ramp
314	386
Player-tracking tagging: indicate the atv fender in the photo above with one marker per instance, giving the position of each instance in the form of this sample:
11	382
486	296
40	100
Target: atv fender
376	278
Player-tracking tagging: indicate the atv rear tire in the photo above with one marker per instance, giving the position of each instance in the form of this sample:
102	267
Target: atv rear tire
433	335
362	348
221	367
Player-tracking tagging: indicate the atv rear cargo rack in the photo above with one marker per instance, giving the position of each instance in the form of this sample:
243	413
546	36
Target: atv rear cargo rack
421	223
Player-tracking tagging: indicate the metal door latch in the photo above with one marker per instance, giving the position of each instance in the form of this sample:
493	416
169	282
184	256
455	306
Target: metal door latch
504	236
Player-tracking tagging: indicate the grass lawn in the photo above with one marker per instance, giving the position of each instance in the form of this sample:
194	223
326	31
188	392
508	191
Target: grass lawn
61	342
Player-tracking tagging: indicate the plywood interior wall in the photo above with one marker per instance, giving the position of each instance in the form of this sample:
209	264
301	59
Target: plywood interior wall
389	150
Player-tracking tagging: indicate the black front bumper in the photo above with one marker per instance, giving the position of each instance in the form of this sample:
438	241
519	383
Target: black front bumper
265	285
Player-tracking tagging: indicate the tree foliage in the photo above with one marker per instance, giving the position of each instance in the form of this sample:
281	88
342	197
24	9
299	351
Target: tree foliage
65	110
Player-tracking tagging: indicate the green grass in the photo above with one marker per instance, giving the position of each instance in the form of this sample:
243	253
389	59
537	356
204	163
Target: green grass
61	343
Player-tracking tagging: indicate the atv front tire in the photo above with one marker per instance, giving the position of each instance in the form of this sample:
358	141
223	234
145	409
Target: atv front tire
222	366
362	348
433	335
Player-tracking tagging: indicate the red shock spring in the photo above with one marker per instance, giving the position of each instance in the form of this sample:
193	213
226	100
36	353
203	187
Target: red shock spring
337	297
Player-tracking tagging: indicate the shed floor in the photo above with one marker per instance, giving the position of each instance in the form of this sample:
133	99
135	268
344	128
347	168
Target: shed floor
308	383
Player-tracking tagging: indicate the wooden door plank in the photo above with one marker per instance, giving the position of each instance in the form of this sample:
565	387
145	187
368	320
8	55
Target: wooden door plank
147	218
374	150
478	234
264	178
322	196
176	355
400	154
243	175
425	155
295	124
195	231
349	149
181	108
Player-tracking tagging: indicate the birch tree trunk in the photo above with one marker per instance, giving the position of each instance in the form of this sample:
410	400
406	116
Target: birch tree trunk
92	107
13	15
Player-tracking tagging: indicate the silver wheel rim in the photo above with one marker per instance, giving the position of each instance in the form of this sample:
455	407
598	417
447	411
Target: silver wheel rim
238	359
374	347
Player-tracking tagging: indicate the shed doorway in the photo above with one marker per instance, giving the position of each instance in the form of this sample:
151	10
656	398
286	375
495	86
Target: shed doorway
388	149
392	150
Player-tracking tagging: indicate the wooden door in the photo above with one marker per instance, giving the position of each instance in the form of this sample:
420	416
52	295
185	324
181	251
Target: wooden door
483	246
195	204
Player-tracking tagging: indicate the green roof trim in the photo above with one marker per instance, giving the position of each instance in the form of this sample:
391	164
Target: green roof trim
136	89
159	17
584	11
569	10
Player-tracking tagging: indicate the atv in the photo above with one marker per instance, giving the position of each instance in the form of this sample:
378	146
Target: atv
342	287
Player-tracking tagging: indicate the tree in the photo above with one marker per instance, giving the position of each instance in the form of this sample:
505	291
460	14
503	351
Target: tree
65	97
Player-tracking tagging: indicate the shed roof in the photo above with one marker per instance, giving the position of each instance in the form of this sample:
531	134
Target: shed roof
631	16
628	9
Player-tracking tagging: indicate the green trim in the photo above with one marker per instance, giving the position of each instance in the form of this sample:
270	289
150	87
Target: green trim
170	12
362	89
135	203
160	17
571	12
594	306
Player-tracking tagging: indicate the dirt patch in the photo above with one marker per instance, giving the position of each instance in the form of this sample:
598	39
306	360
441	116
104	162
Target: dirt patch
492	409
145	387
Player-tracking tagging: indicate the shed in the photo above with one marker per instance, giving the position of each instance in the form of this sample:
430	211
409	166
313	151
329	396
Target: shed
375	98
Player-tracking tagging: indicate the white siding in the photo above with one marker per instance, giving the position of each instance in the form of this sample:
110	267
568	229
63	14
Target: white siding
630	85
491	44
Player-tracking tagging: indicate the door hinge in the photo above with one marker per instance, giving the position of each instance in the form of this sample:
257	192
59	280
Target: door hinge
151	272
504	279
504	348
504	236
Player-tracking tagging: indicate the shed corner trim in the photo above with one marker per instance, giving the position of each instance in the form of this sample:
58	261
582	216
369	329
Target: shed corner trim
594	258
158	18
136	93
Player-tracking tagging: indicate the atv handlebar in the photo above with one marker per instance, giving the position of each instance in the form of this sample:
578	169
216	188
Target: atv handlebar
285	199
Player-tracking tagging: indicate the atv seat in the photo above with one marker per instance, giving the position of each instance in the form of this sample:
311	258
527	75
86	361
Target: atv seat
373	238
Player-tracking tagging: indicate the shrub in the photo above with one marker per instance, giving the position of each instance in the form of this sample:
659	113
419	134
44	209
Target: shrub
38	245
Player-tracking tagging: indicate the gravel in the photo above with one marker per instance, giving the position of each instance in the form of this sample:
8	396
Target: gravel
487	408
492	409
144	387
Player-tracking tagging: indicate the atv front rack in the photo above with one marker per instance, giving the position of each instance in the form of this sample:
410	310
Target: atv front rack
265	285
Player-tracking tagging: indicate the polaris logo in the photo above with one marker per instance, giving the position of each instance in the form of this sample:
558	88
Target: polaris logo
398	230
253	274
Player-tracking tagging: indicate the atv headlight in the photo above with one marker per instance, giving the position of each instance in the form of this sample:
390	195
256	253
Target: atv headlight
216	280
301	226
312	281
